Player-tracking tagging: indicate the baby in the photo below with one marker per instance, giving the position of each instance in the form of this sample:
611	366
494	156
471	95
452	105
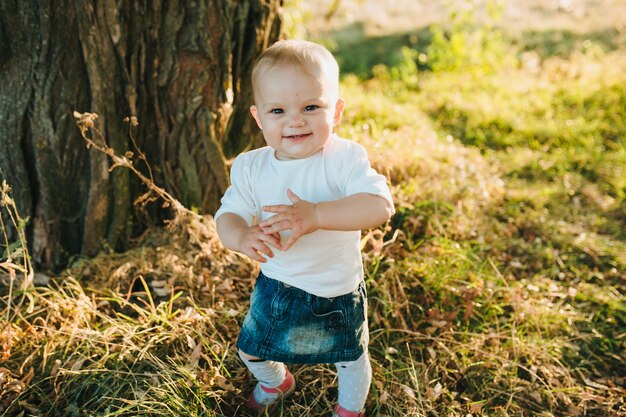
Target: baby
298	207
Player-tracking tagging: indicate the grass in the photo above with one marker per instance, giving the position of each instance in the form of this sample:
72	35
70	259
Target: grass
496	290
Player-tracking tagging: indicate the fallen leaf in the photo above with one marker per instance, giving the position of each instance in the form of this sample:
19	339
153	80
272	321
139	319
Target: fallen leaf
223	383
408	391
476	407
434	392
432	353
194	356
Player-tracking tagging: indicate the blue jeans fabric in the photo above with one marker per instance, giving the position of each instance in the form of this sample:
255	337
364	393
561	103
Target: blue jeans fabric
287	324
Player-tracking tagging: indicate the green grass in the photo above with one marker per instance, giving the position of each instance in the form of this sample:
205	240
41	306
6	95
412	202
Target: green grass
505	286
497	289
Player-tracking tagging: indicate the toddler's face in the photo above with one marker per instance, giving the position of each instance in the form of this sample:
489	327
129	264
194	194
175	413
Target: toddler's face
296	112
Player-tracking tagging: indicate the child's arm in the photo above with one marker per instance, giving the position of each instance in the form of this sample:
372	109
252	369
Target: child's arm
236	235
356	212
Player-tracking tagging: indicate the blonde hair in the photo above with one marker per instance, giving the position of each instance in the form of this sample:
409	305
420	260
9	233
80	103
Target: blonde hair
311	57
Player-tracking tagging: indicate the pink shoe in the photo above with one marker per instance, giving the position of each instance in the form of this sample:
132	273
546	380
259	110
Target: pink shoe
342	412
284	390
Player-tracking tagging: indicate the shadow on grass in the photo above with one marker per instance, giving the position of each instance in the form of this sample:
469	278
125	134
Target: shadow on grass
563	43
357	53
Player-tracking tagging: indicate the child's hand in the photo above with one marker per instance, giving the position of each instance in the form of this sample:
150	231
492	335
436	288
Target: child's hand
254	243
300	218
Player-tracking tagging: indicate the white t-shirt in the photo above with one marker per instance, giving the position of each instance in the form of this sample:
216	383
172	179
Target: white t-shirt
326	263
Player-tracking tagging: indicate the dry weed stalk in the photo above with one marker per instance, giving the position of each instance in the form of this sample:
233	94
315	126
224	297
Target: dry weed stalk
86	124
199	231
16	272
15	265
184	218
15	259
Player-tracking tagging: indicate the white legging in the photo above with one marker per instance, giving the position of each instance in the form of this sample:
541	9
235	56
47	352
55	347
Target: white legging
354	382
354	378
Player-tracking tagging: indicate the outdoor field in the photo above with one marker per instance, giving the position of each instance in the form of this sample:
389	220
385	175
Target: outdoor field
497	289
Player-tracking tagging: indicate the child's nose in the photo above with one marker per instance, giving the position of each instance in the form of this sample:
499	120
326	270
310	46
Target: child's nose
296	119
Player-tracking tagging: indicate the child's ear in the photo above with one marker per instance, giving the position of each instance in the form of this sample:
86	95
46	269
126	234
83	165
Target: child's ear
255	115
338	110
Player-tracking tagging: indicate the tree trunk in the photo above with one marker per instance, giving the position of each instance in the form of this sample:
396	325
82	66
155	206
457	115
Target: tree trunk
181	67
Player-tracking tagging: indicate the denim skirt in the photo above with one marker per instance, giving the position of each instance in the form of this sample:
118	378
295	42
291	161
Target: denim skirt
287	324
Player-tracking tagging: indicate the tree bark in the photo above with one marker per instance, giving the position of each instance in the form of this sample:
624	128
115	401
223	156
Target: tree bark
181	67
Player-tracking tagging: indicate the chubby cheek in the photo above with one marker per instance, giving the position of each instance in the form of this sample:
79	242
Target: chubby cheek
273	137
325	127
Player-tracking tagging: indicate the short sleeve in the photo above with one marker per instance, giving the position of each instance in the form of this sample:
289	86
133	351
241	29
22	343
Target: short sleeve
238	198
358	176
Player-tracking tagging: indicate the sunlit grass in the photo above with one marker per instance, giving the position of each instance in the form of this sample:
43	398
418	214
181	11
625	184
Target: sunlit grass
509	190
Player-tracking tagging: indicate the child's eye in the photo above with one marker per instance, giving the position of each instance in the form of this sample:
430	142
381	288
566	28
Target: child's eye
311	107
276	111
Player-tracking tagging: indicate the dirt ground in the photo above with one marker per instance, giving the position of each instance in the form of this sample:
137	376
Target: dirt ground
380	17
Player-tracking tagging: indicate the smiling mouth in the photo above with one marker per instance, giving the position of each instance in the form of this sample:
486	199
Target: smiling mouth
296	137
